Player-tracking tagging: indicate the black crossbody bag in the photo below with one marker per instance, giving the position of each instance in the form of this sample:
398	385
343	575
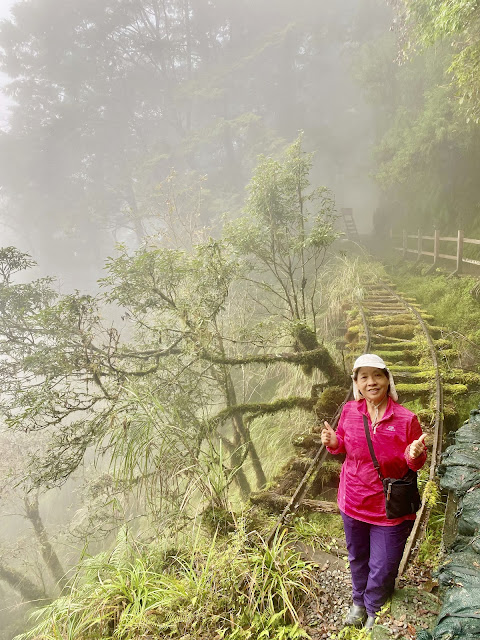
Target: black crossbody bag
401	494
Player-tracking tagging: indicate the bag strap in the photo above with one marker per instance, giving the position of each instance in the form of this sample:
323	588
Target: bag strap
370	447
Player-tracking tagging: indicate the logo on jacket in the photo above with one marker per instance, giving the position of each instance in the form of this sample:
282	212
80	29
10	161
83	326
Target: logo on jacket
390	427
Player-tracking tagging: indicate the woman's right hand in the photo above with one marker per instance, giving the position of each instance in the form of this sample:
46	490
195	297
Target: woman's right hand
329	438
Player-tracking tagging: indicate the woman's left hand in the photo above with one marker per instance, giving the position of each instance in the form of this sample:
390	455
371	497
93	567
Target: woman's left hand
417	447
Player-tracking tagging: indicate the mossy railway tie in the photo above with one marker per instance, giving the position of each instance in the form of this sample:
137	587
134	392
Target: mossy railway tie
413	348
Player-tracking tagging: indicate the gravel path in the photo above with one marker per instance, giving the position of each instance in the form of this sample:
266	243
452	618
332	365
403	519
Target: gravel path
325	616
322	616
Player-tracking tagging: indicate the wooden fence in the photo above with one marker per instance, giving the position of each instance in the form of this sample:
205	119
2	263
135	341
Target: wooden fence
460	242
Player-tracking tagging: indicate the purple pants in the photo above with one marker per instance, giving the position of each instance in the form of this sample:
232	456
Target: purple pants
374	553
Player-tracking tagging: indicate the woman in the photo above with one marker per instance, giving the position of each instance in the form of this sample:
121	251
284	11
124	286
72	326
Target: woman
375	544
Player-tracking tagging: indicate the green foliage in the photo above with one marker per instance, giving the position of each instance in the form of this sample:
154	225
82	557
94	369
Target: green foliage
428	136
283	235
277	578
164	279
450	301
239	589
159	394
437	18
458	22
429	553
267	628
157	409
352	633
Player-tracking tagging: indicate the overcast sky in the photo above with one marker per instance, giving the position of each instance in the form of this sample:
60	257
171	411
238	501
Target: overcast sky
4	13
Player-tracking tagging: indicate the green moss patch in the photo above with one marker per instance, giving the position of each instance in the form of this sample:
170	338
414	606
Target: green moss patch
455	389
407	367
421	388
398	319
397	331
395	356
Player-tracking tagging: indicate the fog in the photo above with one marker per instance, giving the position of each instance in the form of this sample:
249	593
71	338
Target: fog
116	114
101	112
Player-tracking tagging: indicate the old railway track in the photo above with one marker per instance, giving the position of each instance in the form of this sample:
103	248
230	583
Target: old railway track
392	326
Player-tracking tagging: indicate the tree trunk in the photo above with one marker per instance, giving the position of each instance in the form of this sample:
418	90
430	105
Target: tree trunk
240	476
29	591
239	425
132	203
188	53
48	553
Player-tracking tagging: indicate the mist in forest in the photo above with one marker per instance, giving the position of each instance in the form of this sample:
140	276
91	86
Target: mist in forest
109	100
125	121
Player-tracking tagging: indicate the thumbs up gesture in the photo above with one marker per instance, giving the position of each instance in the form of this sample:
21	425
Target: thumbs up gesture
418	447
329	439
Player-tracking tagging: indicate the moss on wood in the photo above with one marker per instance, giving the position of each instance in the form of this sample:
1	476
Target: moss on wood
305	337
353	332
277	502
314	355
308	441
420	388
424	388
426	415
287	479
435	332
256	409
397	331
329	402
455	389
327	475
395	356
406	367
398	319
395	344
467	377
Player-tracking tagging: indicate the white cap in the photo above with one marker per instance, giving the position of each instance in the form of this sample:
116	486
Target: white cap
371	360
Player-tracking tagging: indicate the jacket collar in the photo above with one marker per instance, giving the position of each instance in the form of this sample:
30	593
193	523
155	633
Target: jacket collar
389	411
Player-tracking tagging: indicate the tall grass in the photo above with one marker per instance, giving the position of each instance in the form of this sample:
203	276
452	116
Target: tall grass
240	588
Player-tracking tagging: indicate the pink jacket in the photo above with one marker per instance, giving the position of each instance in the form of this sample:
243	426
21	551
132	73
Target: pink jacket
360	492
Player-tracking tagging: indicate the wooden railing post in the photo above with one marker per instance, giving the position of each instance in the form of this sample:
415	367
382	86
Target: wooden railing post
459	251
419	244
405	240
436	246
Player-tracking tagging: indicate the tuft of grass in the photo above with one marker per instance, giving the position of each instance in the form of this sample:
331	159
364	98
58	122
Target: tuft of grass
352	633
277	579
429	554
323	530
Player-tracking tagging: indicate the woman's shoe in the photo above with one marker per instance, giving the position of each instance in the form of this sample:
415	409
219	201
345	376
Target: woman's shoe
356	616
369	622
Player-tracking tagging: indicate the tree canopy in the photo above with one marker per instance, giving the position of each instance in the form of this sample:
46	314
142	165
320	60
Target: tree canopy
421	81
110	96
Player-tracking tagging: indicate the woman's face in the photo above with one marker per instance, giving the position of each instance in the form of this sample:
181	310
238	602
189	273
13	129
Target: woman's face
372	383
